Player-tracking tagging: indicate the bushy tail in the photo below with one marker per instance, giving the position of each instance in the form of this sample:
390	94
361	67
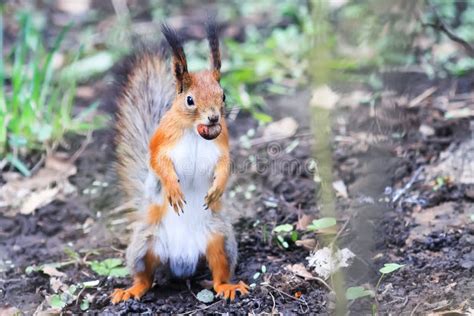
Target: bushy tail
144	92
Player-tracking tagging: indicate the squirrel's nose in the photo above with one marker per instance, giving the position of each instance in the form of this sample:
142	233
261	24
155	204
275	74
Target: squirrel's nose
213	119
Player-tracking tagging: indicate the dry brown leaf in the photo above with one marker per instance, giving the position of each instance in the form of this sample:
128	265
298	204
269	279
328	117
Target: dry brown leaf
306	243
55	284
438	218
38	199
300	270
49	183
304	221
285	127
10	311
52	271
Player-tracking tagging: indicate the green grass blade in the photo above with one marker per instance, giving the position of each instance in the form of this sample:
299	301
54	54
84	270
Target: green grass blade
19	165
48	66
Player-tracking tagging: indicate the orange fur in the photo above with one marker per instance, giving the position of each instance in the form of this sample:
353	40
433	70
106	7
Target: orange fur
219	265
142	282
208	97
156	213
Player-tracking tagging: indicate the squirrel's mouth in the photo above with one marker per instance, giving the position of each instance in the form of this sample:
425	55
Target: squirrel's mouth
210	131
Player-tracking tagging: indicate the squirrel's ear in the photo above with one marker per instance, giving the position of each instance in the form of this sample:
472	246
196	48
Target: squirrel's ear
211	30
180	66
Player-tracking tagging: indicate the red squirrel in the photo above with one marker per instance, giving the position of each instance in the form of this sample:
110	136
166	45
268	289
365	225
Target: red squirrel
173	162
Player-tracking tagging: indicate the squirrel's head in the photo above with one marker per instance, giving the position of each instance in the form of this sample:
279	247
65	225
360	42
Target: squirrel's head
199	98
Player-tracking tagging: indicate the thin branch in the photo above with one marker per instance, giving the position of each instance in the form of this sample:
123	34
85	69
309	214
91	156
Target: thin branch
441	26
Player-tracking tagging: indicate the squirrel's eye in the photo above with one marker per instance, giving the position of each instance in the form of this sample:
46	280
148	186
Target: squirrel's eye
189	100
223	97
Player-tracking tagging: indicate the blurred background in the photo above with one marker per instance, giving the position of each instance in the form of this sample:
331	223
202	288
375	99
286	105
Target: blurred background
352	141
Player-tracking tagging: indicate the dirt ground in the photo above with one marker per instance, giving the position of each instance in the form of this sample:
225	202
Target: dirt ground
428	231
407	171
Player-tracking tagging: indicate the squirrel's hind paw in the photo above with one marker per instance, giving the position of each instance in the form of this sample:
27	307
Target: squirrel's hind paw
120	295
228	291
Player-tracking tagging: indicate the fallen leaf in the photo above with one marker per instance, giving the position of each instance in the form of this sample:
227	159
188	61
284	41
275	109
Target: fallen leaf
438	218
456	162
285	127
304	221
38	199
10	311
52	271
48	184
325	262
306	243
324	97
55	284
340	188
300	270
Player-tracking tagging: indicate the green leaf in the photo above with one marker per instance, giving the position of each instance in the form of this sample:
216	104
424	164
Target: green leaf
118	272
390	267
18	164
110	267
356	292
322	223
88	284
285	228
112	262
72	289
262	117
205	296
84	305
56	302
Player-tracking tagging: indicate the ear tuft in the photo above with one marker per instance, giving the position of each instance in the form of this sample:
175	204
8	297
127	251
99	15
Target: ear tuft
212	37
180	65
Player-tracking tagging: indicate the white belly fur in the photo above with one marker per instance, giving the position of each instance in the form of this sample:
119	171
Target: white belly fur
182	240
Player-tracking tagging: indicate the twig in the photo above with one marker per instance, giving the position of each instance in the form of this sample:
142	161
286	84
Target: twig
427	93
81	149
407	186
283	293
440	26
413	311
273	299
201	309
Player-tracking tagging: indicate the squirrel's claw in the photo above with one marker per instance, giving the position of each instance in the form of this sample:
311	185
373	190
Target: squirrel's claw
212	196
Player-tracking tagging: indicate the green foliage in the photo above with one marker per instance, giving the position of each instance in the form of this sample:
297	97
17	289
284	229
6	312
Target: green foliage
322	223
267	61
109	267
390	267
353	293
35	108
285	228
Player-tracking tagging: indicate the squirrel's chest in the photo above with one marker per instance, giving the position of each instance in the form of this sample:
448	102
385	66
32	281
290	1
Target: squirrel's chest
194	157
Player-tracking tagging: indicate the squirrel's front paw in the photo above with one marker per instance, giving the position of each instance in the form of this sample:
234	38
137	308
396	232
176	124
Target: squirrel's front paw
176	199
213	196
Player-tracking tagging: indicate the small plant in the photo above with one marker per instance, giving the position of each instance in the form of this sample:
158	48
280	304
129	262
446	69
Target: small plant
35	109
283	232
111	267
356	292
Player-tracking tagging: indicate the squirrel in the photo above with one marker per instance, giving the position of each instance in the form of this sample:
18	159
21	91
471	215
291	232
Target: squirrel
173	163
